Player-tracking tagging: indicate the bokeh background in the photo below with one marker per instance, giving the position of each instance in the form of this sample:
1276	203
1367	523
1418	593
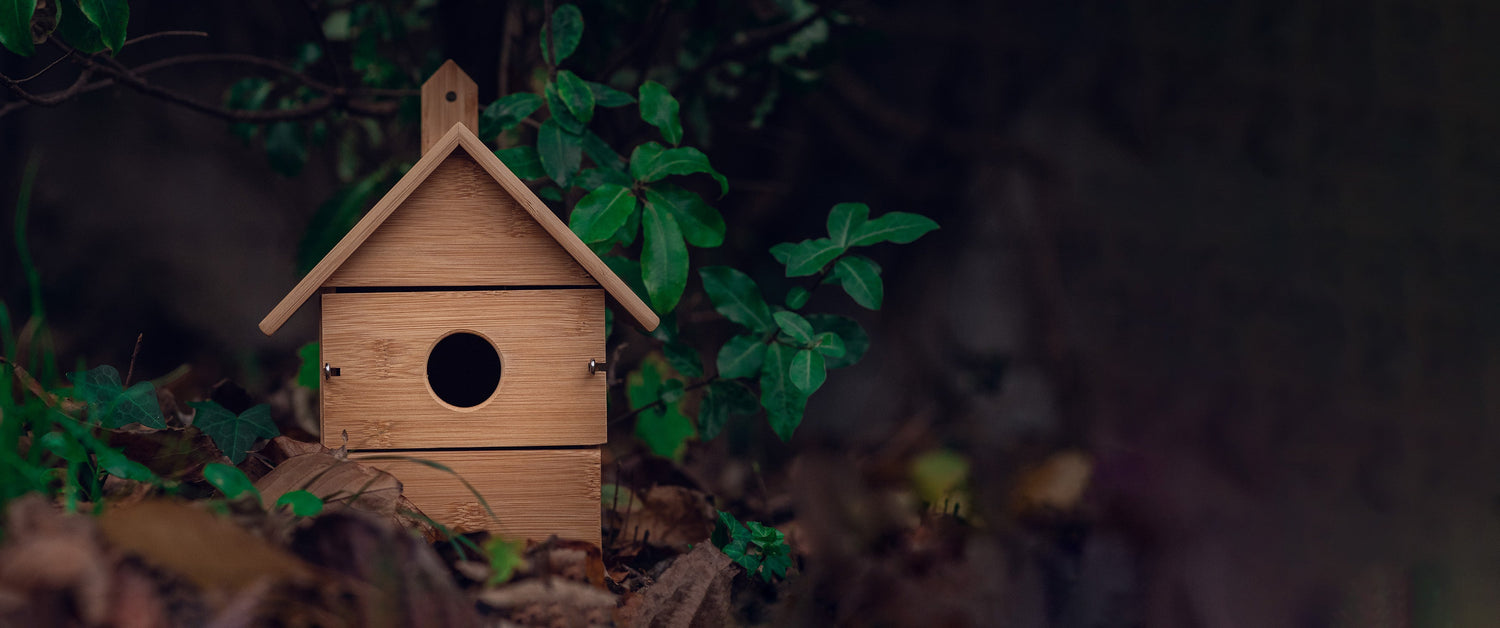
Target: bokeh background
1240	257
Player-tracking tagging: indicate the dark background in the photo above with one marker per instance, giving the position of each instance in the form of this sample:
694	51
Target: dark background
1243	254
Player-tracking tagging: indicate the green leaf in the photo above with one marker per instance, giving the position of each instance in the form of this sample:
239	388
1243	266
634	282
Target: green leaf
810	256
523	161
504	114
726	527
741	356
567	25
303	503
671	391
659	109
606	96
113	462
550	193
898	227
736	296
575	95
856	341
663	429
63	446
504	557
310	374
136	404
829	344
723	400
783	252
650	162
808	371
604	156
860	277
783	402
664	259
97	386
797	297
844	220
75	28
560	113
110	16
792	324
560	151
230	481
602	212
15	26
591	178
337	215
234	434
286	149
701	225
629	271
684	359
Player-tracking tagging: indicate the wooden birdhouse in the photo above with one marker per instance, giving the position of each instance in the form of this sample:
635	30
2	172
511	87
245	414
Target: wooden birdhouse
463	323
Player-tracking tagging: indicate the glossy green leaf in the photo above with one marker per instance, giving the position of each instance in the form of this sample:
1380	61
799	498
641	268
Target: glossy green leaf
808	371
310	374
559	151
110	16
829	344
567	25
741	356
604	156
783	252
723	400
683	358
559	112
629	271
113	462
591	178
860	277
575	95
783	402
606	96
504	114
303	503
736	296
523	161
111	404
233	434
792	324
550	193
64	446
230	481
701	225
797	297
898	227
664	259
660	109
810	256
15	26
650	162
601	213
856	341
844	220
76	30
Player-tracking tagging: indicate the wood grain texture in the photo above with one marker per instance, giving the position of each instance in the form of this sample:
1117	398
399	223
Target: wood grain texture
457	136
380	342
440	114
534	493
460	229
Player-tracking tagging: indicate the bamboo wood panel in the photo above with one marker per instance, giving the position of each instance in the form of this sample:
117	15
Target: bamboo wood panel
534	493
380	342
440	114
459	228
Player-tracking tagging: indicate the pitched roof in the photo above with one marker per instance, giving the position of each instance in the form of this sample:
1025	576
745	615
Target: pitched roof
460	137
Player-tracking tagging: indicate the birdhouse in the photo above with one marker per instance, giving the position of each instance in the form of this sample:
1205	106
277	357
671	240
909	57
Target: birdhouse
463	324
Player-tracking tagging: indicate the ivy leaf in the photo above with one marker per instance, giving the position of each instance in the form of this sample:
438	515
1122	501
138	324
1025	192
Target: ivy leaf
898	227
659	109
844	220
604	156
792	324
736	296
575	95
856	341
303	503
523	161
97	386
504	114
602	212
783	252
783	402
829	344
567	25
110	16
723	400
15	26
76	29
808	371
606	96
310	374
701	225
650	162
684	359
860	277
230	481
559	151
136	404
741	356
810	256
233	434
664	259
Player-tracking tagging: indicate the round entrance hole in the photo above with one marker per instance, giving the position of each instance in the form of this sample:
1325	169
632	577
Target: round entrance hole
463	369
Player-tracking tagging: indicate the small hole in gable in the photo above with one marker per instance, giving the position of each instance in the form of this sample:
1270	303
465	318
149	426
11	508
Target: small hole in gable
451	96
463	369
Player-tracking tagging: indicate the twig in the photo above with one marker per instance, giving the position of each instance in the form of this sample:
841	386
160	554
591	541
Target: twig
159	34
43	70
129	372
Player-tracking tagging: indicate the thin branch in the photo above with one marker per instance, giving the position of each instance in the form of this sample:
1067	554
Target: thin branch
151	36
47	100
44	70
754	43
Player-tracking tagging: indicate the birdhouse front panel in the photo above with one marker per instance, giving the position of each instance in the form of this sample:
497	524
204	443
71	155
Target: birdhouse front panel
463	368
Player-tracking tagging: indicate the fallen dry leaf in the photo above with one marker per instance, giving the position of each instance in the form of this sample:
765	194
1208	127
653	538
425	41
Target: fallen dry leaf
51	557
211	552
335	481
668	516
694	592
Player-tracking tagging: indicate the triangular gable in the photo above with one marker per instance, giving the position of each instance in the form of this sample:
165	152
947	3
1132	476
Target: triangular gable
459	136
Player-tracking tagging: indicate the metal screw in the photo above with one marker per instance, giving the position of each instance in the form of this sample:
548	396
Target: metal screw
595	366
329	371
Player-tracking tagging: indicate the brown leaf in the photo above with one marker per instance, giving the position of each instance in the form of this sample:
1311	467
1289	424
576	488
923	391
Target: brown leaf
211	552
694	592
337	481
669	516
50	557
173	453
